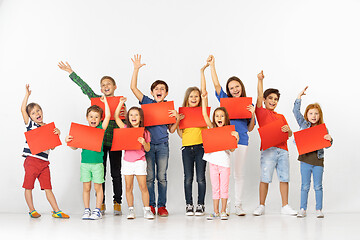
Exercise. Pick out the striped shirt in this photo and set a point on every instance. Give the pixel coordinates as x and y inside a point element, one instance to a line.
<point>26,152</point>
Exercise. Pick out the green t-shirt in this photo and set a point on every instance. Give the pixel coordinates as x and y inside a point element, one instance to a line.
<point>88,156</point>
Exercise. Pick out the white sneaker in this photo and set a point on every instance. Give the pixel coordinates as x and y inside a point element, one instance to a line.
<point>287,210</point>
<point>260,210</point>
<point>228,206</point>
<point>131,214</point>
<point>319,214</point>
<point>148,214</point>
<point>96,214</point>
<point>301,213</point>
<point>87,214</point>
<point>239,211</point>
<point>224,216</point>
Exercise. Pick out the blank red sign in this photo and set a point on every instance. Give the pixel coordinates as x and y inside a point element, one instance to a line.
<point>237,107</point>
<point>113,103</point>
<point>193,117</point>
<point>127,139</point>
<point>311,139</point>
<point>218,139</point>
<point>86,137</point>
<point>271,134</point>
<point>158,113</point>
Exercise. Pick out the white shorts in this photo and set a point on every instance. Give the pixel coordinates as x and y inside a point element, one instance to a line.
<point>133,168</point>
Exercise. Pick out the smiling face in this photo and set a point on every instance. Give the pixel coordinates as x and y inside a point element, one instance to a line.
<point>134,117</point>
<point>219,118</point>
<point>235,88</point>
<point>36,114</point>
<point>194,99</point>
<point>271,101</point>
<point>159,92</point>
<point>93,118</point>
<point>313,116</point>
<point>107,87</point>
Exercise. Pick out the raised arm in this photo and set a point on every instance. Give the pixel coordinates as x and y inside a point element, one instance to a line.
<point>24,103</point>
<point>296,110</point>
<point>118,121</point>
<point>214,77</point>
<point>106,120</point>
<point>204,110</point>
<point>260,89</point>
<point>65,67</point>
<point>133,86</point>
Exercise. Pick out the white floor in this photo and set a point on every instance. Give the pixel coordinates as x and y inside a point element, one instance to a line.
<point>178,226</point>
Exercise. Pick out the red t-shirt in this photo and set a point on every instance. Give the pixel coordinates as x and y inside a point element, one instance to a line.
<point>265,116</point>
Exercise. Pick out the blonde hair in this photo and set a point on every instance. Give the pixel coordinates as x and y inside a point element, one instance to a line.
<point>316,106</point>
<point>187,95</point>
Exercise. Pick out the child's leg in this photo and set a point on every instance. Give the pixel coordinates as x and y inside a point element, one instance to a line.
<point>305,170</point>
<point>51,198</point>
<point>282,169</point>
<point>86,194</point>
<point>318,176</point>
<point>224,186</point>
<point>162,159</point>
<point>239,156</point>
<point>215,185</point>
<point>268,163</point>
<point>99,194</point>
<point>188,164</point>
<point>129,182</point>
<point>29,199</point>
<point>216,205</point>
<point>263,190</point>
<point>284,192</point>
<point>200,166</point>
<point>141,179</point>
<point>150,177</point>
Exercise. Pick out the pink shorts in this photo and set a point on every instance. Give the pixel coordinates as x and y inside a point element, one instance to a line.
<point>220,177</point>
<point>36,168</point>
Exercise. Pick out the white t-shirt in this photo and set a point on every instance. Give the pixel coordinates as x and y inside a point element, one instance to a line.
<point>221,158</point>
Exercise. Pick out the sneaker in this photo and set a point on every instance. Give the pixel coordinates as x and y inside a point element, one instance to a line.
<point>153,210</point>
<point>189,210</point>
<point>131,214</point>
<point>59,214</point>
<point>87,214</point>
<point>319,214</point>
<point>96,214</point>
<point>148,213</point>
<point>34,214</point>
<point>117,208</point>
<point>301,213</point>
<point>260,210</point>
<point>200,210</point>
<point>103,208</point>
<point>287,210</point>
<point>224,216</point>
<point>239,211</point>
<point>212,216</point>
<point>227,210</point>
<point>162,212</point>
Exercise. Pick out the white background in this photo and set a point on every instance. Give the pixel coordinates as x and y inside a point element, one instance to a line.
<point>296,43</point>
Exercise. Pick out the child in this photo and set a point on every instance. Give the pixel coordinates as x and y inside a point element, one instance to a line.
<point>108,86</point>
<point>37,166</point>
<point>193,152</point>
<point>274,157</point>
<point>159,145</point>
<point>235,88</point>
<point>134,160</point>
<point>312,162</point>
<point>91,168</point>
<point>219,162</point>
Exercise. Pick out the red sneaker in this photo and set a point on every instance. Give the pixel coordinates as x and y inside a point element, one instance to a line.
<point>162,212</point>
<point>153,210</point>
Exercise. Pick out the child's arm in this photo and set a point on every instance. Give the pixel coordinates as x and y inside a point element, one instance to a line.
<point>24,103</point>
<point>214,77</point>
<point>204,110</point>
<point>69,139</point>
<point>251,124</point>
<point>105,123</point>
<point>57,132</point>
<point>296,110</point>
<point>133,86</point>
<point>118,121</point>
<point>178,130</point>
<point>260,89</point>
<point>173,127</point>
<point>236,135</point>
<point>144,143</point>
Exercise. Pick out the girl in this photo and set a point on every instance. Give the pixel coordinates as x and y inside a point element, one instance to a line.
<point>236,88</point>
<point>219,162</point>
<point>193,152</point>
<point>312,162</point>
<point>134,160</point>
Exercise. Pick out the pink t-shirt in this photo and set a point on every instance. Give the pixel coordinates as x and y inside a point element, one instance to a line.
<point>137,155</point>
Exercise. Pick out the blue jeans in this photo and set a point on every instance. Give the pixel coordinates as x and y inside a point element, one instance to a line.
<point>193,155</point>
<point>159,156</point>
<point>317,171</point>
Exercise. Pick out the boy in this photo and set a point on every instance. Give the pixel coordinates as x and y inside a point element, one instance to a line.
<point>274,157</point>
<point>159,145</point>
<point>92,168</point>
<point>108,87</point>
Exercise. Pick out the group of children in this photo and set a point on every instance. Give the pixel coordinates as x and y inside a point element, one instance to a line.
<point>151,161</point>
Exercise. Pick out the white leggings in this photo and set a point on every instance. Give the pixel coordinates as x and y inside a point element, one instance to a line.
<point>239,156</point>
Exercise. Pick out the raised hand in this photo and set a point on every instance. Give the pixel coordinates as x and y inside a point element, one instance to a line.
<point>211,60</point>
<point>28,91</point>
<point>204,94</point>
<point>205,66</point>
<point>66,67</point>
<point>122,100</point>
<point>137,61</point>
<point>261,76</point>
<point>302,93</point>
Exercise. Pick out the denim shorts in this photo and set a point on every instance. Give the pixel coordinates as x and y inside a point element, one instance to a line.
<point>274,158</point>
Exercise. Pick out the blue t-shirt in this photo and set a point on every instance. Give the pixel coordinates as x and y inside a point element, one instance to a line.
<point>241,125</point>
<point>159,133</point>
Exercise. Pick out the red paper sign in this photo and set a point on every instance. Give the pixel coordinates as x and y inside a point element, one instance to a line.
<point>113,103</point>
<point>42,138</point>
<point>218,139</point>
<point>127,139</point>
<point>271,134</point>
<point>193,117</point>
<point>311,139</point>
<point>158,113</point>
<point>237,107</point>
<point>86,137</point>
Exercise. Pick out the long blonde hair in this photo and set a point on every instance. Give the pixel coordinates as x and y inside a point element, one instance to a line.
<point>316,106</point>
<point>187,95</point>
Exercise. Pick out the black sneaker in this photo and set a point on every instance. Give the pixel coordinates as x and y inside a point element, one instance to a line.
<point>200,210</point>
<point>189,210</point>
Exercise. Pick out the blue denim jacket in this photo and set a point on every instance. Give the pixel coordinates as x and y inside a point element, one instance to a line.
<point>305,124</point>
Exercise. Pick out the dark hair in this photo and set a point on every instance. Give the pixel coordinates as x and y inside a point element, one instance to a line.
<point>108,77</point>
<point>227,119</point>
<point>30,107</point>
<point>141,112</point>
<point>270,91</point>
<point>187,95</point>
<point>157,82</point>
<point>94,108</point>
<point>233,78</point>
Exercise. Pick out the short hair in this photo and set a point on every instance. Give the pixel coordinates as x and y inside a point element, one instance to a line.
<point>94,108</point>
<point>270,91</point>
<point>141,113</point>
<point>227,119</point>
<point>233,78</point>
<point>316,106</point>
<point>30,107</point>
<point>157,82</point>
<point>108,77</point>
<point>187,95</point>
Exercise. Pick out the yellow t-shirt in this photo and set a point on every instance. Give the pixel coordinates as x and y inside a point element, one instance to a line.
<point>192,136</point>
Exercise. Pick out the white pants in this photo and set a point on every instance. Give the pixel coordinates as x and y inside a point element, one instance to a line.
<point>238,157</point>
